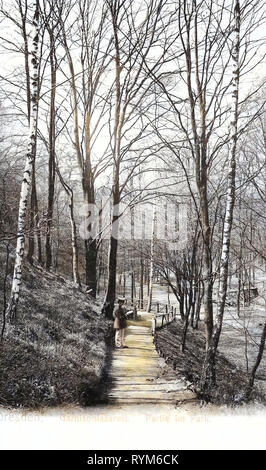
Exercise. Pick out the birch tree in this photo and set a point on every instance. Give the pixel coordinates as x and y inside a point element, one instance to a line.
<point>34,212</point>
<point>208,376</point>
<point>200,79</point>
<point>199,106</point>
<point>26,181</point>
<point>19,18</point>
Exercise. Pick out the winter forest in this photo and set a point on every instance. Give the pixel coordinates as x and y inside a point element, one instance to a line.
<point>132,164</point>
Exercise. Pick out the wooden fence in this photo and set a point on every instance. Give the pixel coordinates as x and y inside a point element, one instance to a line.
<point>164,315</point>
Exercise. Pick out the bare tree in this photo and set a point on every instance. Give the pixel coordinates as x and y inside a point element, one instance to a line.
<point>51,26</point>
<point>75,261</point>
<point>89,107</point>
<point>134,40</point>
<point>208,376</point>
<point>25,185</point>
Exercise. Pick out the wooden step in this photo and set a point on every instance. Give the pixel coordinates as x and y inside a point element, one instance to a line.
<point>162,387</point>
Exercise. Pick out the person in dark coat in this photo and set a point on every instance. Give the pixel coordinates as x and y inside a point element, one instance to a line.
<point>120,323</point>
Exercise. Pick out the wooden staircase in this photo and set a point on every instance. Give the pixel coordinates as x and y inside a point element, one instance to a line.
<point>139,375</point>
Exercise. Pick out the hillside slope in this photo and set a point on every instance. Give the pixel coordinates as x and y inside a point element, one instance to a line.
<point>57,350</point>
<point>231,379</point>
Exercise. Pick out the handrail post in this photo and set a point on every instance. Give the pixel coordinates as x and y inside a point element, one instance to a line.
<point>166,314</point>
<point>153,325</point>
<point>135,315</point>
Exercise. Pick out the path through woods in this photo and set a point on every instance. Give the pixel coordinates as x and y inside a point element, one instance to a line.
<point>139,375</point>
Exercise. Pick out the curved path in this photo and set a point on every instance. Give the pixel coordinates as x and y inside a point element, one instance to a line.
<point>139,375</point>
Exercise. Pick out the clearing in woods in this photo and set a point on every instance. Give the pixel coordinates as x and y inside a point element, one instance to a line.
<point>139,375</point>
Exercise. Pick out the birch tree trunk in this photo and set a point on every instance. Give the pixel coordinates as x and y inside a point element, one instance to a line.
<point>152,261</point>
<point>208,377</point>
<point>34,213</point>
<point>26,181</point>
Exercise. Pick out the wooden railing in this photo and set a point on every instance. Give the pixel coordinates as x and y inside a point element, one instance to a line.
<point>164,315</point>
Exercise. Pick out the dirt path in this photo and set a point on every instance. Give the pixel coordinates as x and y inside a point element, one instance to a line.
<point>139,375</point>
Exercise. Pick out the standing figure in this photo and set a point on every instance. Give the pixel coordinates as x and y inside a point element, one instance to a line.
<point>120,323</point>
